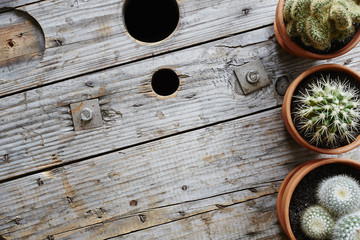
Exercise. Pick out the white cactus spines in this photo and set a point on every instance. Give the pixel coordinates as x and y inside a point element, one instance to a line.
<point>339,194</point>
<point>317,223</point>
<point>328,111</point>
<point>347,227</point>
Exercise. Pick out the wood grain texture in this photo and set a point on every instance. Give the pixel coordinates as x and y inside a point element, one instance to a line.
<point>218,160</point>
<point>37,129</point>
<point>85,36</point>
<point>210,218</point>
<point>239,162</point>
<point>204,163</point>
<point>22,44</point>
<point>16,3</point>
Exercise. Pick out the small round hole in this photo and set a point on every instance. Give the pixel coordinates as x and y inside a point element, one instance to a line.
<point>10,43</point>
<point>165,82</point>
<point>151,21</point>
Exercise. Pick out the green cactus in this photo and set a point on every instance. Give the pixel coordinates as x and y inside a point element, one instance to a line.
<point>319,22</point>
<point>317,223</point>
<point>339,194</point>
<point>347,227</point>
<point>328,112</point>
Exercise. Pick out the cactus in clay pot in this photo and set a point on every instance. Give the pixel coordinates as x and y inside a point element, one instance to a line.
<point>319,22</point>
<point>328,112</point>
<point>317,223</point>
<point>347,227</point>
<point>339,194</point>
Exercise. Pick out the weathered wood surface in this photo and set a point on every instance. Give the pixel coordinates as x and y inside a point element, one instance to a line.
<point>204,164</point>
<point>238,163</point>
<point>22,45</point>
<point>16,3</point>
<point>85,36</point>
<point>209,223</point>
<point>38,129</point>
<point>203,177</point>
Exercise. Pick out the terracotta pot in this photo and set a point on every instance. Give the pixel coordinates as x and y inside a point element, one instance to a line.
<point>294,49</point>
<point>291,181</point>
<point>286,108</point>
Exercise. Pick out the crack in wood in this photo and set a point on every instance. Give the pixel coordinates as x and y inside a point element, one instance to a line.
<point>143,217</point>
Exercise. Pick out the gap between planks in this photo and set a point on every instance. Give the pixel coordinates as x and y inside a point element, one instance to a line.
<point>134,145</point>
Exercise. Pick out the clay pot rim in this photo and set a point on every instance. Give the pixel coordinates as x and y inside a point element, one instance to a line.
<point>291,47</point>
<point>286,108</point>
<point>282,190</point>
<point>288,188</point>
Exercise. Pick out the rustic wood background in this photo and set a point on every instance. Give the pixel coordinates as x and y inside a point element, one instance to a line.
<point>204,164</point>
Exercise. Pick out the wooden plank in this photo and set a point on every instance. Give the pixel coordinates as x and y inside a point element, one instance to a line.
<point>211,218</point>
<point>17,3</point>
<point>251,220</point>
<point>229,157</point>
<point>37,128</point>
<point>85,36</point>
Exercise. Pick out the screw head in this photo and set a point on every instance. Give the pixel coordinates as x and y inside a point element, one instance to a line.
<point>86,115</point>
<point>282,83</point>
<point>253,76</point>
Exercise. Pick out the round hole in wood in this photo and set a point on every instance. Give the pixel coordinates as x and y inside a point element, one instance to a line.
<point>11,43</point>
<point>22,43</point>
<point>165,82</point>
<point>151,20</point>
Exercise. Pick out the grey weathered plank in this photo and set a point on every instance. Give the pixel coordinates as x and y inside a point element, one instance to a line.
<point>84,36</point>
<point>37,129</point>
<point>16,3</point>
<point>211,218</point>
<point>251,220</point>
<point>234,156</point>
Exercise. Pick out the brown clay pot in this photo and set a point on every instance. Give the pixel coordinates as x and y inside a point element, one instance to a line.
<point>286,108</point>
<point>294,49</point>
<point>291,181</point>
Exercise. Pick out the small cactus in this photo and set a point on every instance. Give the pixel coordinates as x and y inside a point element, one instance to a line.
<point>347,227</point>
<point>319,22</point>
<point>317,223</point>
<point>328,112</point>
<point>339,194</point>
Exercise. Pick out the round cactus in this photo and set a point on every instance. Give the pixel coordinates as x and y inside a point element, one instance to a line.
<point>328,112</point>
<point>347,227</point>
<point>339,194</point>
<point>319,22</point>
<point>317,223</point>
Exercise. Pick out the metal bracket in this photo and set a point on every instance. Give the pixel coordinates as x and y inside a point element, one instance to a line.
<point>86,115</point>
<point>252,76</point>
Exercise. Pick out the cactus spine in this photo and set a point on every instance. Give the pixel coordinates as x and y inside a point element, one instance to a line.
<point>347,227</point>
<point>339,194</point>
<point>317,223</point>
<point>328,112</point>
<point>319,22</point>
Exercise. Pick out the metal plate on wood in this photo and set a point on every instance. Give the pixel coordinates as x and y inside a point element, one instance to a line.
<point>86,115</point>
<point>252,76</point>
